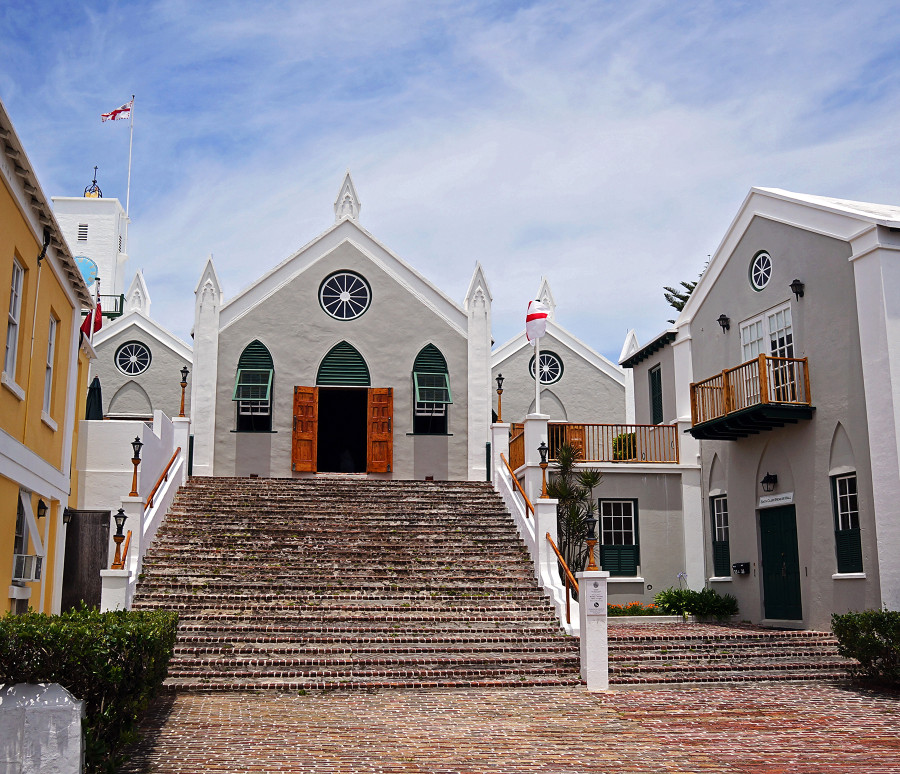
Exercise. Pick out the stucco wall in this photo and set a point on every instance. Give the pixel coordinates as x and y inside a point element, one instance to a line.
<point>298,334</point>
<point>585,393</point>
<point>664,358</point>
<point>825,331</point>
<point>161,382</point>
<point>660,530</point>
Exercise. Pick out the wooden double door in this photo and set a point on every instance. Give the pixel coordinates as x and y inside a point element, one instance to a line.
<point>343,430</point>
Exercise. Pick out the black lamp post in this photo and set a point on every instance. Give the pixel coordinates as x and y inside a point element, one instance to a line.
<point>769,481</point>
<point>543,449</point>
<point>120,517</point>
<point>590,524</point>
<point>724,321</point>
<point>499,397</point>
<point>184,376</point>
<point>135,460</point>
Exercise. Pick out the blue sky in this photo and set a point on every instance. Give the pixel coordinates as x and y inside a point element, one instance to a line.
<point>606,145</point>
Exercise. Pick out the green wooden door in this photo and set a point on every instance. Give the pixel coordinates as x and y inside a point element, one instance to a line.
<point>780,563</point>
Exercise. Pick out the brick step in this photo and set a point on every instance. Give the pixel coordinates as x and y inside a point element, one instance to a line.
<point>352,596</point>
<point>363,606</point>
<point>365,684</point>
<point>537,636</point>
<point>370,649</point>
<point>756,673</point>
<point>509,622</point>
<point>409,671</point>
<point>631,661</point>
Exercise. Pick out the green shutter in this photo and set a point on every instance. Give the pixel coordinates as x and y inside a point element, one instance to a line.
<point>619,560</point>
<point>721,558</point>
<point>656,401</point>
<point>255,355</point>
<point>430,378</point>
<point>849,550</point>
<point>343,366</point>
<point>254,375</point>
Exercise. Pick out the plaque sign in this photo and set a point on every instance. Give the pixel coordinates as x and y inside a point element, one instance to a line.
<point>595,596</point>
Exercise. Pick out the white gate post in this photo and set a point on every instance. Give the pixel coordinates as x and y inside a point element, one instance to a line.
<point>594,645</point>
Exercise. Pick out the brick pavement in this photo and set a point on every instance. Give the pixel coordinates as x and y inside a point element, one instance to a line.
<point>759,728</point>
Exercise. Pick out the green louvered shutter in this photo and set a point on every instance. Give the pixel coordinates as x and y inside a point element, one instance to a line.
<point>721,558</point>
<point>849,550</point>
<point>256,356</point>
<point>343,366</point>
<point>619,560</point>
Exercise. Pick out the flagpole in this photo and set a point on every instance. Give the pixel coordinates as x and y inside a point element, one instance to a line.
<point>130,144</point>
<point>93,314</point>
<point>537,375</point>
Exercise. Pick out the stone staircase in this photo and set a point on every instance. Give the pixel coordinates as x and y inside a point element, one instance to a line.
<point>704,653</point>
<point>340,582</point>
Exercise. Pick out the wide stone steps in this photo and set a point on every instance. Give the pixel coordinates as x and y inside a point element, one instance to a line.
<point>343,583</point>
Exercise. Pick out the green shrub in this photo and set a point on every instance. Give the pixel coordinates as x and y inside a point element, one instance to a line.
<point>624,446</point>
<point>114,661</point>
<point>872,638</point>
<point>706,603</point>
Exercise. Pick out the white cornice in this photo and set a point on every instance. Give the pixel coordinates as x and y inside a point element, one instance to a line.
<point>149,326</point>
<point>347,230</point>
<point>511,347</point>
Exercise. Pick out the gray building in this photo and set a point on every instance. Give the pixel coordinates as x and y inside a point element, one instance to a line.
<point>781,365</point>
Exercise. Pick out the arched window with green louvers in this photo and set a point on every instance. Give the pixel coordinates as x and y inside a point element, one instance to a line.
<point>343,366</point>
<point>253,389</point>
<point>431,387</point>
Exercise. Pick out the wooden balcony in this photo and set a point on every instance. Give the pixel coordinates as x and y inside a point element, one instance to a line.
<point>617,443</point>
<point>756,396</point>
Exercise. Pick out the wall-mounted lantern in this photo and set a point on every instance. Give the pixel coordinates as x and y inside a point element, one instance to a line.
<point>724,321</point>
<point>769,481</point>
<point>41,509</point>
<point>797,288</point>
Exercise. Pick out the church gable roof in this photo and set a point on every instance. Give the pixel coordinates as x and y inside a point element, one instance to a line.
<point>347,230</point>
<point>137,319</point>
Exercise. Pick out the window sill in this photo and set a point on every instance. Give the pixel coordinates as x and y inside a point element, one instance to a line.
<point>625,579</point>
<point>720,579</point>
<point>440,434</point>
<point>48,420</point>
<point>11,385</point>
<point>254,432</point>
<point>849,576</point>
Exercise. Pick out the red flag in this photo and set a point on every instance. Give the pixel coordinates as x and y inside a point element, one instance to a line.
<point>119,113</point>
<point>97,317</point>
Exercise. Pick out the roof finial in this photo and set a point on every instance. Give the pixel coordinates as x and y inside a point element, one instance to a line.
<point>347,203</point>
<point>93,190</point>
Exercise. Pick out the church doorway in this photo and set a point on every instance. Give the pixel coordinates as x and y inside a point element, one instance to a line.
<point>342,430</point>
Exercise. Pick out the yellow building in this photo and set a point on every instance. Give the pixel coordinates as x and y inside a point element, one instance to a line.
<point>44,373</point>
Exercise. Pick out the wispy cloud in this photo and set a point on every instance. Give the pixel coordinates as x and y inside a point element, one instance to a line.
<point>606,145</point>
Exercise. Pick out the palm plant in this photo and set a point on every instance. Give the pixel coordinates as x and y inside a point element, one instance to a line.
<point>573,488</point>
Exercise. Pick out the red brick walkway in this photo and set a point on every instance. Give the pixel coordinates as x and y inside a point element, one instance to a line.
<point>764,728</point>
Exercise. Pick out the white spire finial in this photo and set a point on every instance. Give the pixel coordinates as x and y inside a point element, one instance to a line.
<point>347,203</point>
<point>545,295</point>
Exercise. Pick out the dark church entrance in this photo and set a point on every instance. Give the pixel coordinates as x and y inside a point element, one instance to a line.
<point>342,430</point>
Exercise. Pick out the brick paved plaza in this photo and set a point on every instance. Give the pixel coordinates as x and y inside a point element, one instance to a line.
<point>789,728</point>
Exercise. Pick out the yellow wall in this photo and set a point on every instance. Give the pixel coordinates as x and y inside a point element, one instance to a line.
<point>43,295</point>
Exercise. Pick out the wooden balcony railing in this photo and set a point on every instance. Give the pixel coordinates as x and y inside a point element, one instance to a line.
<point>763,380</point>
<point>616,443</point>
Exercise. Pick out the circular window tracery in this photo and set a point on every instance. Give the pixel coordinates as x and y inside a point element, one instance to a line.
<point>345,295</point>
<point>760,270</point>
<point>551,367</point>
<point>133,358</point>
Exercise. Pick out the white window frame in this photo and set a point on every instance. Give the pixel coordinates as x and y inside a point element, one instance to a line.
<point>14,314</point>
<point>720,519</point>
<point>48,369</point>
<point>623,531</point>
<point>762,332</point>
<point>843,500</point>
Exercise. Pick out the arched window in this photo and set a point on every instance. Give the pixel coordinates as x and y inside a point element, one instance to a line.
<point>343,366</point>
<point>431,385</point>
<point>253,389</point>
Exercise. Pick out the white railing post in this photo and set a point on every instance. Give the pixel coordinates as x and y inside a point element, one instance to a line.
<point>592,614</point>
<point>535,434</point>
<point>499,445</point>
<point>182,433</point>
<point>546,565</point>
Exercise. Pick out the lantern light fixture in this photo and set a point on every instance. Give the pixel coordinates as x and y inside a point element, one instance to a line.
<point>769,481</point>
<point>41,509</point>
<point>724,321</point>
<point>797,288</point>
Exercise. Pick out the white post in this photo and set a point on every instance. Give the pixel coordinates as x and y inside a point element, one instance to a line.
<point>499,445</point>
<point>182,438</point>
<point>594,644</point>
<point>130,144</point>
<point>537,375</point>
<point>114,590</point>
<point>535,434</point>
